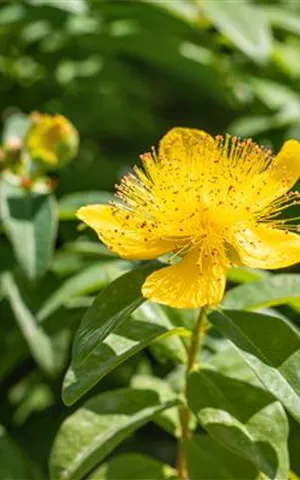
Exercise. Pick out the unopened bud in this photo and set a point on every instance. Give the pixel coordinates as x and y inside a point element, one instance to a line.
<point>51,140</point>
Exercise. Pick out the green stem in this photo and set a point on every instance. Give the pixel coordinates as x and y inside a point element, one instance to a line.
<point>185,412</point>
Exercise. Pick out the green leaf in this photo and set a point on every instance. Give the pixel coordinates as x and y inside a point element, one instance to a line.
<point>65,264</point>
<point>13,464</point>
<point>283,18</point>
<point>75,256</point>
<point>93,431</point>
<point>244,418</point>
<point>133,466</point>
<point>169,419</point>
<point>87,281</point>
<point>38,342</point>
<point>13,353</point>
<point>273,290</point>
<point>185,10</point>
<point>110,308</point>
<point>228,361</point>
<point>294,447</point>
<point>7,258</point>
<point>128,339</point>
<point>245,275</point>
<point>72,6</point>
<point>70,203</point>
<point>251,125</point>
<point>30,220</point>
<point>90,249</point>
<point>208,460</point>
<point>274,95</point>
<point>167,347</point>
<point>183,60</point>
<point>243,23</point>
<point>271,347</point>
<point>286,58</point>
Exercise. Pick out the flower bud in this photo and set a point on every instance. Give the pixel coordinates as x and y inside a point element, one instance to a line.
<point>52,141</point>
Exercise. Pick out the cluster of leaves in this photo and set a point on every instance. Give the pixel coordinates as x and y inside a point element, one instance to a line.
<point>124,72</point>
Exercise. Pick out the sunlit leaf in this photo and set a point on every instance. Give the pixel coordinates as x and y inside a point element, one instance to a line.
<point>98,427</point>
<point>110,308</point>
<point>271,347</point>
<point>168,347</point>
<point>244,418</point>
<point>128,339</point>
<point>243,23</point>
<point>87,281</point>
<point>72,6</point>
<point>129,466</point>
<point>245,275</point>
<point>30,220</point>
<point>208,460</point>
<point>168,419</point>
<point>251,125</point>
<point>38,342</point>
<point>282,18</point>
<point>274,95</point>
<point>270,291</point>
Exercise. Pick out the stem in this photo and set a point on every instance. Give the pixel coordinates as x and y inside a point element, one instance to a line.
<point>185,411</point>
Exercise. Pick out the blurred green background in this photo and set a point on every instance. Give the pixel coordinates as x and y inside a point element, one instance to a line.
<point>124,73</point>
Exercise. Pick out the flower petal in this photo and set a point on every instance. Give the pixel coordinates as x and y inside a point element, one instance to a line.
<point>282,173</point>
<point>187,284</point>
<point>124,233</point>
<point>268,248</point>
<point>184,145</point>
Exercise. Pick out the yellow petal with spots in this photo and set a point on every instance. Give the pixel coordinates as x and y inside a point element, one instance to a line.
<point>283,172</point>
<point>125,234</point>
<point>187,284</point>
<point>268,248</point>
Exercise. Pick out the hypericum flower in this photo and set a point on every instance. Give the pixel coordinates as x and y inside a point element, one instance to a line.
<point>211,203</point>
<point>51,140</point>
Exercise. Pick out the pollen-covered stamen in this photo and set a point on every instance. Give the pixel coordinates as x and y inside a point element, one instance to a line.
<point>272,214</point>
<point>194,197</point>
<point>242,157</point>
<point>241,174</point>
<point>135,194</point>
<point>210,244</point>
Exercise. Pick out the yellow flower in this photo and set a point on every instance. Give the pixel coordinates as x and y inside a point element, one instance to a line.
<point>51,140</point>
<point>211,203</point>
